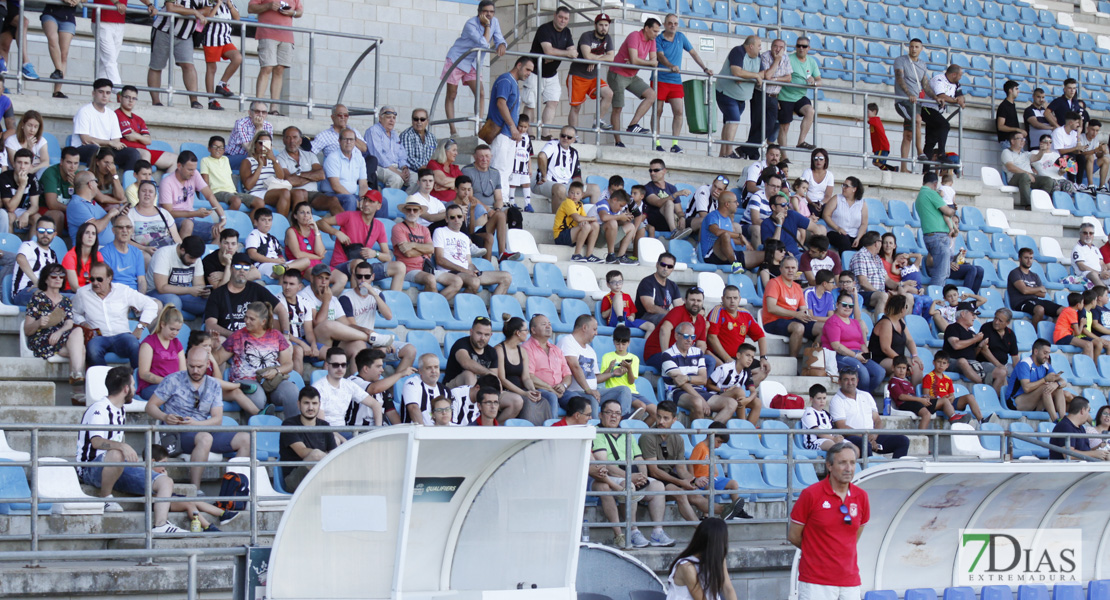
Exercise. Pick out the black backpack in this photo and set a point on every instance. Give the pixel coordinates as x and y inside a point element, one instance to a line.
<point>233,484</point>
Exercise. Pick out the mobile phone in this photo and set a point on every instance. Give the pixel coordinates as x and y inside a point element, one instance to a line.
<point>266,144</point>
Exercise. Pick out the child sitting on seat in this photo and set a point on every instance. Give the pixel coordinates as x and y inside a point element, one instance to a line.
<point>703,480</point>
<point>630,363</point>
<point>617,307</point>
<point>940,390</point>
<point>816,417</point>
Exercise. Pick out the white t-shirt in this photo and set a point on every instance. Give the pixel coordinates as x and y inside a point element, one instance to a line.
<point>947,193</point>
<point>102,125</point>
<point>1047,165</point>
<point>342,405</point>
<point>415,391</point>
<point>857,413</point>
<point>364,308</point>
<point>13,144</point>
<point>335,307</point>
<point>816,193</point>
<point>167,262</point>
<point>456,247</point>
<point>434,206</point>
<point>1062,139</point>
<point>1085,254</point>
<point>941,85</point>
<point>37,258</point>
<point>463,411</point>
<point>587,360</point>
<point>265,244</point>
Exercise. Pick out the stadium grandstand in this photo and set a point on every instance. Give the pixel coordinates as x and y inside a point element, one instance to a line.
<point>887,219</point>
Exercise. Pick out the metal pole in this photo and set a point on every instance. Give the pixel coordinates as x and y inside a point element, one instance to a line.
<point>630,506</point>
<point>311,64</point>
<point>243,70</point>
<point>34,493</point>
<point>597,106</point>
<point>866,130</point>
<point>254,489</point>
<point>378,70</point>
<point>192,589</point>
<point>19,53</point>
<point>170,63</point>
<point>148,494</point>
<point>96,38</point>
<point>478,86</point>
<point>711,441</point>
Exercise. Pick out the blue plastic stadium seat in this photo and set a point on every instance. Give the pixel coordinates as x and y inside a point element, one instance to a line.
<point>549,276</point>
<point>746,13</point>
<point>875,13</point>
<point>543,306</point>
<point>431,306</point>
<point>791,19</point>
<point>834,8</point>
<point>881,595</point>
<point>959,593</point>
<point>13,484</point>
<point>996,592</point>
<point>403,313</point>
<point>1100,589</point>
<point>954,24</point>
<point>500,305</point>
<point>813,22</point>
<point>425,342</point>
<point>522,281</point>
<point>767,16</point>
<point>1032,592</point>
<point>1023,448</point>
<point>921,594</point>
<point>922,332</point>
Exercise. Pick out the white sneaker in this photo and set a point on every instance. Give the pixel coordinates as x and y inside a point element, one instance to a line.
<point>166,527</point>
<point>638,540</point>
<point>111,505</point>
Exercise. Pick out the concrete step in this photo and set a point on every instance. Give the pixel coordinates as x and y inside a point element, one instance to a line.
<point>27,393</point>
<point>71,579</point>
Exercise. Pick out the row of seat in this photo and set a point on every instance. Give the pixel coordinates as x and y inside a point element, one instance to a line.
<point>1096,590</point>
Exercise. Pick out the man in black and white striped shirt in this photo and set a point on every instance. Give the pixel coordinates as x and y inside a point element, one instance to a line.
<point>557,166</point>
<point>176,35</point>
<point>419,392</point>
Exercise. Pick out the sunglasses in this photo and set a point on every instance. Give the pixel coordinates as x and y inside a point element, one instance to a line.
<point>654,170</point>
<point>566,137</point>
<point>98,279</point>
<point>800,46</point>
<point>482,320</point>
<point>847,517</point>
<point>722,179</point>
<point>419,119</point>
<point>342,365</point>
<point>57,276</point>
<point>241,267</point>
<point>455,218</point>
<point>389,113</point>
<point>45,230</point>
<point>667,265</point>
<point>360,277</point>
<point>847,305</point>
<point>688,336</point>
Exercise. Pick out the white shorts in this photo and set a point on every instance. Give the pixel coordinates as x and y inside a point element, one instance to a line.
<point>550,90</point>
<point>519,179</point>
<point>813,591</point>
<point>545,189</point>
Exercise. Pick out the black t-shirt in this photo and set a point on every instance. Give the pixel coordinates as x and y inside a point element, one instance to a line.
<point>1008,112</point>
<point>212,264</point>
<point>663,295</point>
<point>1002,345</point>
<point>314,441</point>
<point>487,358</point>
<point>962,333</point>
<point>1030,279</point>
<point>8,187</point>
<point>559,40</point>
<point>230,309</point>
<point>1060,108</point>
<point>1066,426</point>
<point>667,191</point>
<point>598,48</point>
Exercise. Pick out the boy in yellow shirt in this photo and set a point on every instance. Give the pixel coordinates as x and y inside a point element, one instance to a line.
<point>622,337</point>
<point>215,169</point>
<point>574,228</point>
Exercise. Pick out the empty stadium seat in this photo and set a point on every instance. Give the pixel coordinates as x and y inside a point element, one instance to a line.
<point>1023,448</point>
<point>403,312</point>
<point>426,343</point>
<point>431,306</point>
<point>543,306</point>
<point>549,276</point>
<point>13,484</point>
<point>921,594</point>
<point>268,441</point>
<point>1098,590</point>
<point>1032,592</point>
<point>521,240</point>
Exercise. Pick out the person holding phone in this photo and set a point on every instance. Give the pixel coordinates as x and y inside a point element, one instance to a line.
<point>844,335</point>
<point>260,171</point>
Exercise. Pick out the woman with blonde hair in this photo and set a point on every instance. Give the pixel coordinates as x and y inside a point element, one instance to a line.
<point>161,353</point>
<point>443,167</point>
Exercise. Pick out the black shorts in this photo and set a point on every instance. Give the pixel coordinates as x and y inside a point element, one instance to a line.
<point>787,110</point>
<point>915,407</point>
<point>658,221</point>
<point>11,22</point>
<point>1051,309</point>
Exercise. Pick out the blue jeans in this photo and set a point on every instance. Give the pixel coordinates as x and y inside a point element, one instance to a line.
<point>940,249</point>
<point>553,399</point>
<point>349,201</point>
<point>871,373</point>
<point>124,344</point>
<point>193,305</point>
<point>22,297</point>
<point>201,227</point>
<point>972,276</point>
<point>131,481</point>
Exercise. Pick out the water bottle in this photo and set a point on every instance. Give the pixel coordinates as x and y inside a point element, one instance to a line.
<point>586,530</point>
<point>886,402</point>
<point>195,526</point>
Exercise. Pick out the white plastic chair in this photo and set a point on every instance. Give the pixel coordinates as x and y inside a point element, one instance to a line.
<point>7,452</point>
<point>95,390</point>
<point>997,218</point>
<point>1051,247</point>
<point>968,445</point>
<point>25,352</point>
<point>1042,202</point>
<point>1100,232</point>
<point>581,278</point>
<point>522,241</point>
<point>713,286</point>
<point>767,392</point>
<point>992,178</point>
<point>648,250</point>
<point>62,482</point>
<point>261,483</point>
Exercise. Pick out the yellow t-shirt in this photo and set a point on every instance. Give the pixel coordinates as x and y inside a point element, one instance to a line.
<point>562,216</point>
<point>219,174</point>
<point>628,379</point>
<point>132,193</point>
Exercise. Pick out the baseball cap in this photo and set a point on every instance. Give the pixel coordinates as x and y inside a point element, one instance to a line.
<point>321,269</point>
<point>603,17</point>
<point>374,195</point>
<point>241,259</point>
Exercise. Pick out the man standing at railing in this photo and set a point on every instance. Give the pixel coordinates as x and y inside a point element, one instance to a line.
<point>944,86</point>
<point>742,62</point>
<point>275,46</point>
<point>552,39</point>
<point>793,100</point>
<point>670,91</point>
<point>638,50</point>
<point>109,37</point>
<point>175,36</point>
<point>504,108</point>
<point>776,67</point>
<point>478,32</point>
<point>101,444</point>
<point>910,77</point>
<point>586,80</point>
<point>825,525</point>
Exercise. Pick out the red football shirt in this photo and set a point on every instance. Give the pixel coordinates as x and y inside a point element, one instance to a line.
<point>132,124</point>
<point>898,388</point>
<point>732,331</point>
<point>828,542</point>
<point>675,317</point>
<point>935,386</point>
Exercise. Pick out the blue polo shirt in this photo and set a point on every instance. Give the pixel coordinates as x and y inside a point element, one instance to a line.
<point>672,51</point>
<point>80,210</point>
<point>790,226</point>
<point>707,239</point>
<point>1024,369</point>
<point>126,268</point>
<point>504,86</point>
<point>348,170</point>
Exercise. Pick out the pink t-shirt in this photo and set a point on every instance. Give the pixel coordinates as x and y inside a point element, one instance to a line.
<point>273,17</point>
<point>177,195</point>
<point>351,223</point>
<point>836,330</point>
<point>164,360</point>
<point>411,233</point>
<point>643,48</point>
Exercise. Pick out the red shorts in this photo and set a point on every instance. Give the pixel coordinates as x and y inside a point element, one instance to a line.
<point>213,54</point>
<point>670,91</point>
<point>580,87</point>
<point>155,155</point>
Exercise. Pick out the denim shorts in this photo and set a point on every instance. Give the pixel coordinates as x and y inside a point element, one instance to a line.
<point>131,481</point>
<point>731,108</point>
<point>64,26</point>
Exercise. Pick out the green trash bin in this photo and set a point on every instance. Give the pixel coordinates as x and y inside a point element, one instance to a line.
<point>701,111</point>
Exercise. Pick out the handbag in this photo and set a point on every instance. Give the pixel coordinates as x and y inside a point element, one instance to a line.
<point>787,402</point>
<point>489,131</point>
<point>274,183</point>
<point>271,384</point>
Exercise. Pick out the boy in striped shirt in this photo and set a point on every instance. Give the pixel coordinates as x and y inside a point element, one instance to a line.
<point>218,46</point>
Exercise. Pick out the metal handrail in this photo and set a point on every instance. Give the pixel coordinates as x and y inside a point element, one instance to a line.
<point>709,139</point>
<point>243,98</point>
